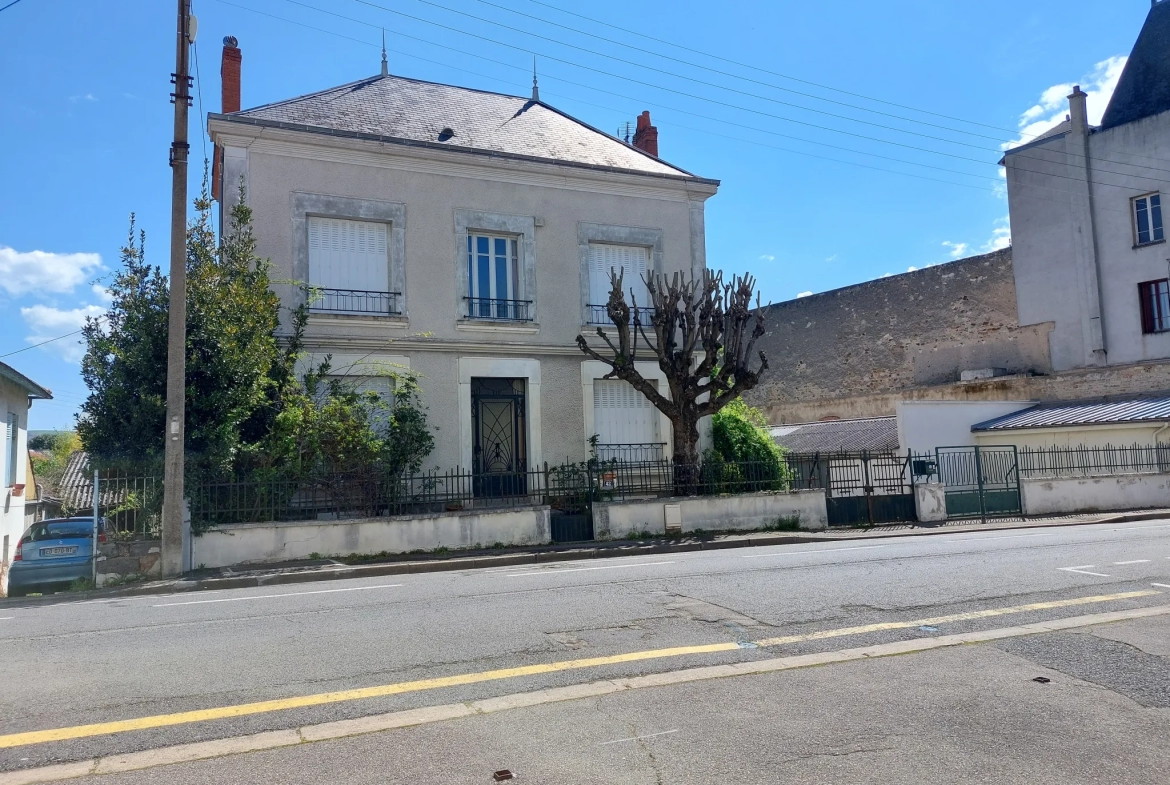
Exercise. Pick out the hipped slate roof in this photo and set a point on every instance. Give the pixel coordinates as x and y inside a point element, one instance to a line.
<point>872,434</point>
<point>394,108</point>
<point>1056,415</point>
<point>1143,89</point>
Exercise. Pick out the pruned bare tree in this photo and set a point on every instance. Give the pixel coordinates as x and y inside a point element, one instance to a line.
<point>699,334</point>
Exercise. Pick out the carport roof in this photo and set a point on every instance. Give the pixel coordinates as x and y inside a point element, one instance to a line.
<point>870,434</point>
<point>1073,413</point>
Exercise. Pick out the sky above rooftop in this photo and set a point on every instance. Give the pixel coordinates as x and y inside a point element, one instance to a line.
<point>822,187</point>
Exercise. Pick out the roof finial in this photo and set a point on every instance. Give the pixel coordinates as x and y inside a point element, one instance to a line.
<point>385,65</point>
<point>535,89</point>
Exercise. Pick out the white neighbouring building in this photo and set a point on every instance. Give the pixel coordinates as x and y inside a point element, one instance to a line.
<point>1089,242</point>
<point>465,236</point>
<point>17,392</point>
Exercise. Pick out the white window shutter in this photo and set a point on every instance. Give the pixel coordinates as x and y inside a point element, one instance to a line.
<point>622,415</point>
<point>348,255</point>
<point>634,260</point>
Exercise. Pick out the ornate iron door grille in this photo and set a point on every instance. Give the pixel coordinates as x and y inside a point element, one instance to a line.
<point>499,451</point>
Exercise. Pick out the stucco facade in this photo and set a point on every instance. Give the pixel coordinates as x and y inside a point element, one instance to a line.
<point>431,199</point>
<point>16,393</point>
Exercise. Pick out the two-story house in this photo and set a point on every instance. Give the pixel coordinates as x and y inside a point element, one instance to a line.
<point>465,236</point>
<point>1090,254</point>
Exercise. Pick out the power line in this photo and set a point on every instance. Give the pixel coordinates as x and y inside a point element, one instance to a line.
<point>725,73</point>
<point>765,70</point>
<point>199,93</point>
<point>694,114</point>
<point>42,343</point>
<point>5,8</point>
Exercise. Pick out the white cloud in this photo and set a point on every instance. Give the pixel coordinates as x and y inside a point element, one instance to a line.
<point>955,249</point>
<point>832,258</point>
<point>44,272</point>
<point>46,323</point>
<point>911,269</point>
<point>767,257</point>
<point>102,293</point>
<point>1001,235</point>
<point>1052,107</point>
<point>804,294</point>
<point>87,97</point>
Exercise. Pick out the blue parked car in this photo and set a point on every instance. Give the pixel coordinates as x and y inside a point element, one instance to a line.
<point>52,554</point>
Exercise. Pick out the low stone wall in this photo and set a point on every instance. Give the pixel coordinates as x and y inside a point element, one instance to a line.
<point>245,543</point>
<point>128,560</point>
<point>1065,495</point>
<point>744,512</point>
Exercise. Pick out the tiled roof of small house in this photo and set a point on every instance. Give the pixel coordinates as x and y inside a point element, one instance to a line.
<point>870,434</point>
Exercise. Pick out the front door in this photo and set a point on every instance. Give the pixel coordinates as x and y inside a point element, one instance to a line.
<point>499,452</point>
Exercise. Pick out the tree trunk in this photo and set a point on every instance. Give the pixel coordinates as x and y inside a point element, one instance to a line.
<point>686,453</point>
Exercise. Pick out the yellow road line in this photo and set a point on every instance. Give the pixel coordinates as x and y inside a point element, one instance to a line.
<point>262,707</point>
<point>969,616</point>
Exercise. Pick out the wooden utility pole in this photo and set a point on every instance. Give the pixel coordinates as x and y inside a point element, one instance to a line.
<point>172,518</point>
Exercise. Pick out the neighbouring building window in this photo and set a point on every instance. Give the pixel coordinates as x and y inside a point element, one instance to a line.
<point>349,267</point>
<point>10,451</point>
<point>493,278</point>
<point>634,260</point>
<point>626,423</point>
<point>1147,218</point>
<point>1155,299</point>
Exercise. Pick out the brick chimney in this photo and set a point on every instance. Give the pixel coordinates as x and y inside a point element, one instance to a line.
<point>646,135</point>
<point>229,77</point>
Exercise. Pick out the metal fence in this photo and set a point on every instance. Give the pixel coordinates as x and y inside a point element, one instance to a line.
<point>375,493</point>
<point>1085,461</point>
<point>130,503</point>
<point>357,301</point>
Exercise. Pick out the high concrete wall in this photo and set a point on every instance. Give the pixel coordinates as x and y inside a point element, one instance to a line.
<point>1095,494</point>
<point>244,543</point>
<point>743,512</point>
<point>924,425</point>
<point>879,338</point>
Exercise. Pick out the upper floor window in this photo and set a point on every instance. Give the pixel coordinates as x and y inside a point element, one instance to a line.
<point>1147,219</point>
<point>634,260</point>
<point>493,278</point>
<point>1155,300</point>
<point>349,267</point>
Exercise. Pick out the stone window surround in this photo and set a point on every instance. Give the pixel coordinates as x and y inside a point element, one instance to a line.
<point>506,368</point>
<point>305,205</point>
<point>588,233</point>
<point>523,228</point>
<point>592,370</point>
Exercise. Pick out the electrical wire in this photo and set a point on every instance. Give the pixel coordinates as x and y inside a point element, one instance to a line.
<point>5,8</point>
<point>764,70</point>
<point>199,92</point>
<point>996,189</point>
<point>42,343</point>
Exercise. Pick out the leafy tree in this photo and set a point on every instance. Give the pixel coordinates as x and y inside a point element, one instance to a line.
<point>55,449</point>
<point>701,340</point>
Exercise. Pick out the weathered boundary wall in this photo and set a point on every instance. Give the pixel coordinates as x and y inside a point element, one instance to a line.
<point>121,560</point>
<point>1063,495</point>
<point>743,512</point>
<point>244,543</point>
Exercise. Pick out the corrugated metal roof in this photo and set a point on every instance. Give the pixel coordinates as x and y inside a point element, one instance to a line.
<point>872,434</point>
<point>397,108</point>
<point>1056,415</point>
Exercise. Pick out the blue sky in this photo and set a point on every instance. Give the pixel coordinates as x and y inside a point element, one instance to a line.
<point>85,121</point>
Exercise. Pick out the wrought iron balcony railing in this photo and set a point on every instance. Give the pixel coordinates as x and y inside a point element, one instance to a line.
<point>632,453</point>
<point>505,310</point>
<point>357,301</point>
<point>598,314</point>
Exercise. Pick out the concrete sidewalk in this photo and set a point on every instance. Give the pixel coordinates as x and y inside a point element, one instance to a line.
<point>330,569</point>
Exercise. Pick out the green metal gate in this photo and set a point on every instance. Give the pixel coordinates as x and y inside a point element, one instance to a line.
<point>981,482</point>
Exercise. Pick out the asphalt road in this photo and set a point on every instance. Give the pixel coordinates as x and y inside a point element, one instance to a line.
<point>77,663</point>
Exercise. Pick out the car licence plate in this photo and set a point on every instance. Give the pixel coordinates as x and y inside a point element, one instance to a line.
<point>62,551</point>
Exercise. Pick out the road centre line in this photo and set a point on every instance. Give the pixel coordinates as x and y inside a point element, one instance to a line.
<point>798,553</point>
<point>1083,571</point>
<point>585,569</point>
<point>400,688</point>
<point>275,596</point>
<point>639,738</point>
<point>1161,585</point>
<point>1133,561</point>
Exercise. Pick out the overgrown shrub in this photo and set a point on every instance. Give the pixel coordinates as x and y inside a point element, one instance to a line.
<point>743,456</point>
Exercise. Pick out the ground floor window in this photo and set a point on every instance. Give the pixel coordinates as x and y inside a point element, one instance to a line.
<point>625,422</point>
